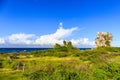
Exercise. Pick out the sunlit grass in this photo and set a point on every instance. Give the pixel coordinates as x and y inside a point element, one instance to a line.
<point>97,64</point>
<point>115,59</point>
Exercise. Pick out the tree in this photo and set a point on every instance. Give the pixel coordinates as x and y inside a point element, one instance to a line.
<point>65,43</point>
<point>57,45</point>
<point>69,45</point>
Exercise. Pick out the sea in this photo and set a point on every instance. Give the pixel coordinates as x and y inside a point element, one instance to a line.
<point>17,50</point>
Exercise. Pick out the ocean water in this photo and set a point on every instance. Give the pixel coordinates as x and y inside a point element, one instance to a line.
<point>9,50</point>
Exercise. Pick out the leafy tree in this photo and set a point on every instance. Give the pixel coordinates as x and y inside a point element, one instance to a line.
<point>69,45</point>
<point>57,45</point>
<point>65,43</point>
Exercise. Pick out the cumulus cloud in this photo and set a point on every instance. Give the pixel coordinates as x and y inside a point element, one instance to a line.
<point>20,38</point>
<point>56,37</point>
<point>2,41</point>
<point>83,42</point>
<point>31,40</point>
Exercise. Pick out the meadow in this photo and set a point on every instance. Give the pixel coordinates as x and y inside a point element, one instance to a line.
<point>102,63</point>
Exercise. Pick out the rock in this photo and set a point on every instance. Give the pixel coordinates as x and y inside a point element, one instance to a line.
<point>103,39</point>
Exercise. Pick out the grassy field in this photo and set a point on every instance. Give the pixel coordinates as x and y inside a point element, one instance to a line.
<point>59,64</point>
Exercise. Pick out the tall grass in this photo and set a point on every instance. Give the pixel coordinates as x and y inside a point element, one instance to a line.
<point>60,64</point>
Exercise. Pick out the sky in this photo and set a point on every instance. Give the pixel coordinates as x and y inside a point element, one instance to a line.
<point>42,23</point>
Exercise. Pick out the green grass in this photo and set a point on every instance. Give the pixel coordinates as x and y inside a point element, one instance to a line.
<point>11,76</point>
<point>101,63</point>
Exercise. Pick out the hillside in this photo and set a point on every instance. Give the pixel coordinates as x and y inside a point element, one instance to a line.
<point>102,63</point>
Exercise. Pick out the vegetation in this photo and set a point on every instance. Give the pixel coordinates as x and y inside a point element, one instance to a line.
<point>62,63</point>
<point>66,47</point>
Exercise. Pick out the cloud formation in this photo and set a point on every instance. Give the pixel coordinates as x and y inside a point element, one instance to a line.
<point>83,42</point>
<point>56,37</point>
<point>31,40</point>
<point>2,41</point>
<point>21,38</point>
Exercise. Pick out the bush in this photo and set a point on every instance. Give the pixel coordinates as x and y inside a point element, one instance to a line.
<point>113,70</point>
<point>60,73</point>
<point>1,64</point>
<point>99,74</point>
<point>108,71</point>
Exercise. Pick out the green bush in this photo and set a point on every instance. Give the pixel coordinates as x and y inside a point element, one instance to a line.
<point>109,71</point>
<point>58,74</point>
<point>1,64</point>
<point>99,74</point>
<point>113,70</point>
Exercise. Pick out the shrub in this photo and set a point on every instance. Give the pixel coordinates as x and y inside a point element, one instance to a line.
<point>108,71</point>
<point>58,74</point>
<point>1,64</point>
<point>99,74</point>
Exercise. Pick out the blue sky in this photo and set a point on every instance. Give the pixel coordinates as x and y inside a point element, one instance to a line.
<point>36,23</point>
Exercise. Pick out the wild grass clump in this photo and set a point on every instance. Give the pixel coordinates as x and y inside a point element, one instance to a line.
<point>62,63</point>
<point>107,49</point>
<point>11,76</point>
<point>109,71</point>
<point>58,72</point>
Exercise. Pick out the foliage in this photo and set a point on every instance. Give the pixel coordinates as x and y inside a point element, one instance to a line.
<point>56,46</point>
<point>101,63</point>
<point>67,46</point>
<point>109,71</point>
<point>58,72</point>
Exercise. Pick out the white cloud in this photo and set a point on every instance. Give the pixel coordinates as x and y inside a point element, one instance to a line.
<point>2,41</point>
<point>56,37</point>
<point>84,42</point>
<point>20,38</point>
<point>30,40</point>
